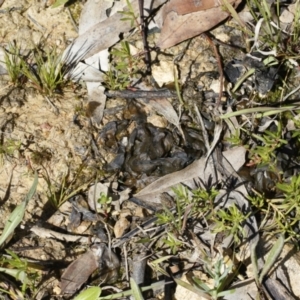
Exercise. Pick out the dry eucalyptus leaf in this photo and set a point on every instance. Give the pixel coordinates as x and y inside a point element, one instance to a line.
<point>183,7</point>
<point>92,13</point>
<point>99,32</point>
<point>235,156</point>
<point>96,102</point>
<point>177,28</point>
<point>78,272</point>
<point>163,107</point>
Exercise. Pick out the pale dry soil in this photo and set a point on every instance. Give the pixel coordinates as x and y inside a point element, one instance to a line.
<point>57,144</point>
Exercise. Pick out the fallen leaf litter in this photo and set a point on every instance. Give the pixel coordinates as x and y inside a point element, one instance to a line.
<point>69,142</point>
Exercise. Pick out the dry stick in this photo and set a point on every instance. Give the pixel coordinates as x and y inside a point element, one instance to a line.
<point>126,262</point>
<point>152,94</point>
<point>219,67</point>
<point>56,110</point>
<point>72,19</point>
<point>47,233</point>
<point>144,36</point>
<point>8,10</point>
<point>204,132</point>
<point>185,216</point>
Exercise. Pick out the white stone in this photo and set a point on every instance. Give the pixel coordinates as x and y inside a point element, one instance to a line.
<point>163,73</point>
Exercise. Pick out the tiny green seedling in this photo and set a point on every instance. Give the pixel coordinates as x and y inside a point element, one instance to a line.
<point>124,67</point>
<point>231,221</point>
<point>8,148</point>
<point>172,242</point>
<point>219,272</point>
<point>44,71</point>
<point>105,202</point>
<point>265,154</point>
<point>155,264</point>
<point>129,14</point>
<point>14,63</point>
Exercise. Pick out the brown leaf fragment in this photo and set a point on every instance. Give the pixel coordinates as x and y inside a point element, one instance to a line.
<point>121,227</point>
<point>96,102</point>
<point>78,272</point>
<point>183,7</point>
<point>177,28</point>
<point>164,108</point>
<point>235,156</point>
<point>99,258</point>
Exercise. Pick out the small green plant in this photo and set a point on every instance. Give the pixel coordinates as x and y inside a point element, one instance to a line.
<point>282,214</point>
<point>230,221</point>
<point>198,201</point>
<point>155,265</point>
<point>105,203</point>
<point>19,268</point>
<point>219,272</point>
<point>203,200</point>
<point>124,67</point>
<point>14,63</point>
<point>268,35</point>
<point>287,213</point>
<point>264,154</point>
<point>173,242</point>
<point>235,138</point>
<point>175,219</point>
<point>129,14</point>
<point>45,72</point>
<point>59,193</point>
<point>167,217</point>
<point>8,148</point>
<point>272,36</point>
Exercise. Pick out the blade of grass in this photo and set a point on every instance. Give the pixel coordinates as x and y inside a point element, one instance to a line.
<point>192,288</point>
<point>91,293</point>
<point>17,274</point>
<point>261,111</point>
<point>17,215</point>
<point>236,17</point>
<point>154,286</point>
<point>136,291</point>
<point>273,255</point>
<point>242,79</point>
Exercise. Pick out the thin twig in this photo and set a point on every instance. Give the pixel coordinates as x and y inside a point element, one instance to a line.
<point>56,110</point>
<point>126,262</point>
<point>204,132</point>
<point>72,19</point>
<point>47,233</point>
<point>8,10</point>
<point>219,68</point>
<point>144,36</point>
<point>185,217</point>
<point>37,24</point>
<point>129,94</point>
